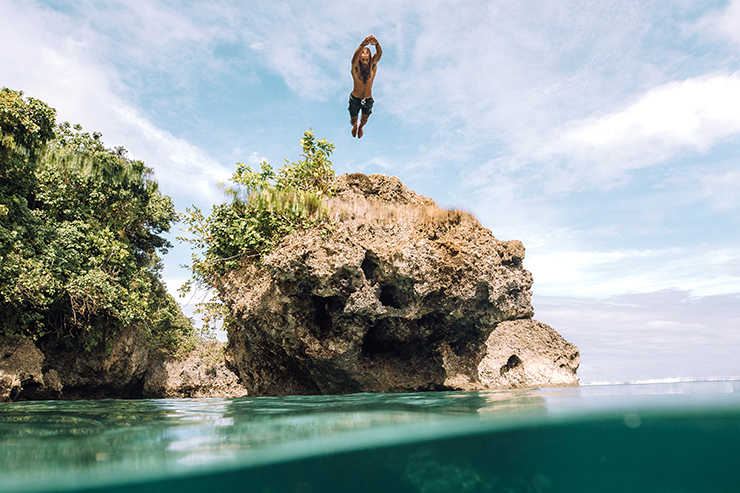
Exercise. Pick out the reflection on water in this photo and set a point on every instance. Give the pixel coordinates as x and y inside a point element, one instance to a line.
<point>51,436</point>
<point>433,441</point>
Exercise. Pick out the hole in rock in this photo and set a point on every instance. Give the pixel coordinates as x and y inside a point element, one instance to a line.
<point>391,296</point>
<point>323,308</point>
<point>370,266</point>
<point>512,363</point>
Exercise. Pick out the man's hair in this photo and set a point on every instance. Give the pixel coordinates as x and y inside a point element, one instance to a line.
<point>365,68</point>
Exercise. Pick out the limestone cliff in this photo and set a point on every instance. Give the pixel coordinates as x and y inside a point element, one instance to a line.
<point>399,296</point>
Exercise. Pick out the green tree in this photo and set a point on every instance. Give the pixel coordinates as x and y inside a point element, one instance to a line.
<point>81,235</point>
<point>26,125</point>
<point>264,207</point>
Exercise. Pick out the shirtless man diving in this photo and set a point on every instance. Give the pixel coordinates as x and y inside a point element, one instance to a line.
<point>364,68</point>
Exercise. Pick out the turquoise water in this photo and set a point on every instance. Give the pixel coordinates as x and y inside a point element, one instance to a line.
<point>652,437</point>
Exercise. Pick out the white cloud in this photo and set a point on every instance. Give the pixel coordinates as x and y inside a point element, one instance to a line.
<point>577,93</point>
<point>182,169</point>
<point>700,270</point>
<point>691,115</point>
<point>724,24</point>
<point>678,119</point>
<point>480,74</point>
<point>508,72</point>
<point>721,190</point>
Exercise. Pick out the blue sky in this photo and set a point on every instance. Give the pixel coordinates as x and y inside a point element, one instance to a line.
<point>603,135</point>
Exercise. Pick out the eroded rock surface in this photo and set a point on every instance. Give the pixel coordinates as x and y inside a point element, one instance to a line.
<point>400,296</point>
<point>202,374</point>
<point>20,367</point>
<point>76,374</point>
<point>130,370</point>
<point>527,354</point>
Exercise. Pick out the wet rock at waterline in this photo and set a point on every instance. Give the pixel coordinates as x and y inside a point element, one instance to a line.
<point>131,369</point>
<point>20,367</point>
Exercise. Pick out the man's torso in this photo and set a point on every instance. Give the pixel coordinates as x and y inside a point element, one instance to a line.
<point>363,89</point>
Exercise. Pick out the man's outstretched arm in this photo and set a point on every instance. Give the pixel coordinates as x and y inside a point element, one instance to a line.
<point>378,49</point>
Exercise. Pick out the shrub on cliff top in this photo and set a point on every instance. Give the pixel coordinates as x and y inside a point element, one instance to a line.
<point>264,207</point>
<point>79,236</point>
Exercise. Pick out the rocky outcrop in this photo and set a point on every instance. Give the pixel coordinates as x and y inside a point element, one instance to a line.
<point>130,370</point>
<point>398,296</point>
<point>202,374</point>
<point>77,374</point>
<point>527,354</point>
<point>20,367</point>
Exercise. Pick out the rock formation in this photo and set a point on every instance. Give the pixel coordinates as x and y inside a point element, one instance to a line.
<point>202,374</point>
<point>20,367</point>
<point>527,353</point>
<point>398,296</point>
<point>129,370</point>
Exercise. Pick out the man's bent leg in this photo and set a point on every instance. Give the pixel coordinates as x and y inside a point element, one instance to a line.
<point>363,121</point>
<point>354,110</point>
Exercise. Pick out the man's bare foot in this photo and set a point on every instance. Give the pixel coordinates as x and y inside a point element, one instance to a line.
<point>354,131</point>
<point>359,133</point>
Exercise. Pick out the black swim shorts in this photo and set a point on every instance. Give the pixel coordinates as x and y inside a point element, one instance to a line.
<point>355,104</point>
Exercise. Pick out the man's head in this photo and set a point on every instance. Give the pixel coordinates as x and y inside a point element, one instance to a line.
<point>364,62</point>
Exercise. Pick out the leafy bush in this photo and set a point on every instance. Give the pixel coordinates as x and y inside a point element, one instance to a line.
<point>264,208</point>
<point>80,235</point>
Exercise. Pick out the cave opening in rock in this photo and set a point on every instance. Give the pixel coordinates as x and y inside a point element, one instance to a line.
<point>370,266</point>
<point>324,308</point>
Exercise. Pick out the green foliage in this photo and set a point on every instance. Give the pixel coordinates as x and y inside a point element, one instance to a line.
<point>169,329</point>
<point>26,124</point>
<point>264,208</point>
<point>80,235</point>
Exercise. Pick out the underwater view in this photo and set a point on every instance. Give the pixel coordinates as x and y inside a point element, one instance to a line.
<point>666,436</point>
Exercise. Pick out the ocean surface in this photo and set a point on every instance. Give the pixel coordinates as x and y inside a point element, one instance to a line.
<point>666,436</point>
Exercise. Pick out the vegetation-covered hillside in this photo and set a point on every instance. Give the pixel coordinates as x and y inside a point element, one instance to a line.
<point>80,236</point>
